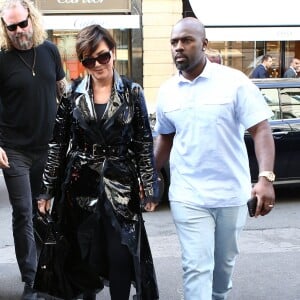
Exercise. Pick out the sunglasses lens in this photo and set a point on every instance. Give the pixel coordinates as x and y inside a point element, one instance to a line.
<point>102,59</point>
<point>89,62</point>
<point>23,24</point>
<point>13,27</point>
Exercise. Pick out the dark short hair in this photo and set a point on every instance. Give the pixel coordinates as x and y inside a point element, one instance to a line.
<point>88,39</point>
<point>266,57</point>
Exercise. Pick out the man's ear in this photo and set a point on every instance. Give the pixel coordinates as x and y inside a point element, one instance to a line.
<point>205,43</point>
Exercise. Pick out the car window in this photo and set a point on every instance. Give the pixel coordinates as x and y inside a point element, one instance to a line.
<point>290,102</point>
<point>284,102</point>
<point>272,98</point>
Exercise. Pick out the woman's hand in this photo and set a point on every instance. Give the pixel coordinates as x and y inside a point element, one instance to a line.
<point>149,206</point>
<point>44,206</point>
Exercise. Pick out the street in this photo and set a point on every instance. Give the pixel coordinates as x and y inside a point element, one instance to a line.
<point>266,269</point>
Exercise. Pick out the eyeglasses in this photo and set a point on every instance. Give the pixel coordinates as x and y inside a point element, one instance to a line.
<point>102,59</point>
<point>14,27</point>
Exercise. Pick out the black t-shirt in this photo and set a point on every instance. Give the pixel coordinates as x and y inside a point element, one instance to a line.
<point>100,109</point>
<point>28,103</point>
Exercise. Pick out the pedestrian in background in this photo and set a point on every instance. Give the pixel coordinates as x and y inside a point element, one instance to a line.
<point>261,71</point>
<point>294,68</point>
<point>31,79</point>
<point>109,164</point>
<point>214,55</point>
<point>202,113</point>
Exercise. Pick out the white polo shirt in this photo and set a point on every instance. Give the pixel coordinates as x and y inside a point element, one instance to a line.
<point>208,161</point>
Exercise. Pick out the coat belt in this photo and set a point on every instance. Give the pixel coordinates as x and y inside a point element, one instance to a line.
<point>98,150</point>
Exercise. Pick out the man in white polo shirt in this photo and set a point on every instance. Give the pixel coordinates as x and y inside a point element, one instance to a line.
<point>202,114</point>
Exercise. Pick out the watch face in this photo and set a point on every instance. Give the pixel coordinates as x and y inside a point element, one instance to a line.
<point>270,176</point>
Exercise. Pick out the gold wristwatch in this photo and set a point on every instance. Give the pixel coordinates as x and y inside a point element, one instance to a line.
<point>269,175</point>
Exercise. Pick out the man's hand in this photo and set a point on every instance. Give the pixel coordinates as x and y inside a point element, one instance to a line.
<point>3,159</point>
<point>264,191</point>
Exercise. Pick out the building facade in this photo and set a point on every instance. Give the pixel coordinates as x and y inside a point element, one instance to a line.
<point>241,33</point>
<point>142,28</point>
<point>244,33</point>
<point>64,18</point>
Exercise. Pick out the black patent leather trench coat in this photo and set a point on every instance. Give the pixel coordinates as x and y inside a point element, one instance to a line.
<point>94,168</point>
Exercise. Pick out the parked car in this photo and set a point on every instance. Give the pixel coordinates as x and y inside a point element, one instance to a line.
<point>283,97</point>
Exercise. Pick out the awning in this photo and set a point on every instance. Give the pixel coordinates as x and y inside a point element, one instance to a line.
<point>76,22</point>
<point>246,13</point>
<point>253,33</point>
<point>253,20</point>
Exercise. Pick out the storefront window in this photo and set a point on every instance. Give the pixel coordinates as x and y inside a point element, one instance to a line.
<point>245,56</point>
<point>292,50</point>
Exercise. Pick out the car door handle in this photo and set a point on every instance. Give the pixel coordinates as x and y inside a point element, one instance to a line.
<point>279,134</point>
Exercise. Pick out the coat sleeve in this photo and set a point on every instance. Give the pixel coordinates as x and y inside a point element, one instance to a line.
<point>57,152</point>
<point>143,146</point>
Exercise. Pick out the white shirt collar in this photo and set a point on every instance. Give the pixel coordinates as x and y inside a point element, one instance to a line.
<point>206,73</point>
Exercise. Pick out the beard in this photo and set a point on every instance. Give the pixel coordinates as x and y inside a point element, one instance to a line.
<point>23,40</point>
<point>182,66</point>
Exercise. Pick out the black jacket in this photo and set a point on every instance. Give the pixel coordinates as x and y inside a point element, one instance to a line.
<point>95,167</point>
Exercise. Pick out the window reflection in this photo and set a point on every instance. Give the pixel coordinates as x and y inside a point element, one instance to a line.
<point>246,55</point>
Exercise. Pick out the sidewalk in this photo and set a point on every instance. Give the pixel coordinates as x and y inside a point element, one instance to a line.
<point>266,269</point>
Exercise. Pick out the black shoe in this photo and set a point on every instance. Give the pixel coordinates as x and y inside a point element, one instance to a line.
<point>89,295</point>
<point>29,293</point>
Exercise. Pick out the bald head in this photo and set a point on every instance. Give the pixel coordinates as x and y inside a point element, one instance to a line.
<point>193,24</point>
<point>188,43</point>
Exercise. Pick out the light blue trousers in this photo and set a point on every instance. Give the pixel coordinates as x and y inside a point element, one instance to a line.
<point>209,245</point>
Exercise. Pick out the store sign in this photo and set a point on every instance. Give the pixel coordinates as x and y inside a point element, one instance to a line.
<point>253,20</point>
<point>83,6</point>
<point>79,21</point>
<point>253,34</point>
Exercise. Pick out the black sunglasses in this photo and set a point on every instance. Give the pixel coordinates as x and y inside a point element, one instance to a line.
<point>21,24</point>
<point>102,59</point>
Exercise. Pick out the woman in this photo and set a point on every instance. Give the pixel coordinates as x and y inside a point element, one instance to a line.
<point>102,142</point>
